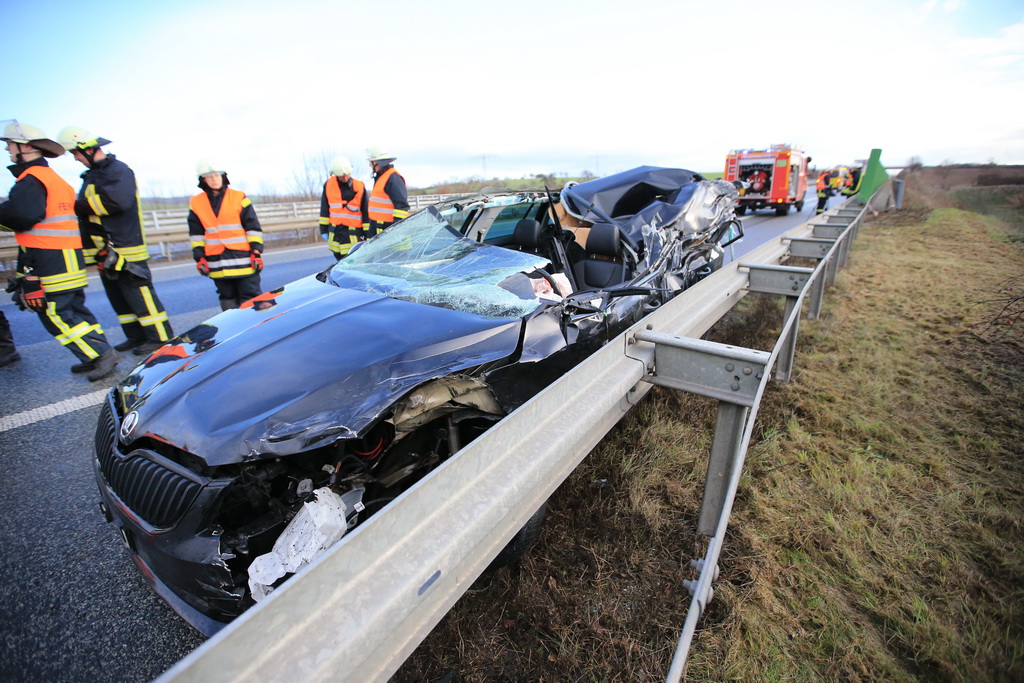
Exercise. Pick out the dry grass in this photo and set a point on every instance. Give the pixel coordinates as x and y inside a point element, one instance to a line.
<point>878,531</point>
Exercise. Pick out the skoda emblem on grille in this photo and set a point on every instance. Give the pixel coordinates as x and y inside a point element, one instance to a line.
<point>128,426</point>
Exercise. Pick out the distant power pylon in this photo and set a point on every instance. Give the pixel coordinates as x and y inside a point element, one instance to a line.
<point>483,161</point>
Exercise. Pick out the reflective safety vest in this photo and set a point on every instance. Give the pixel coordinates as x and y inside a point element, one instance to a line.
<point>347,214</point>
<point>382,209</point>
<point>59,229</point>
<point>223,230</point>
<point>822,182</point>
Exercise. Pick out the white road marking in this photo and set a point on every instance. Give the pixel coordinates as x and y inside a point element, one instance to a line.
<point>53,410</point>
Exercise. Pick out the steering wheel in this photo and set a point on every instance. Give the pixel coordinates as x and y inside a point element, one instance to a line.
<point>551,281</point>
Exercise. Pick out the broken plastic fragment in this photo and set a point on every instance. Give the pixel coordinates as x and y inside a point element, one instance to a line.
<point>317,526</point>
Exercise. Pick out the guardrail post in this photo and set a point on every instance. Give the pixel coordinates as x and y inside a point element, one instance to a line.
<point>727,373</point>
<point>789,281</point>
<point>725,455</point>
<point>833,232</point>
<point>815,248</point>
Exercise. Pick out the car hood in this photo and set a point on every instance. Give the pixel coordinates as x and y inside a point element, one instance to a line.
<point>298,368</point>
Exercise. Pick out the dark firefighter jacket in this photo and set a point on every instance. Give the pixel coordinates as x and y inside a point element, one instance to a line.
<point>852,184</point>
<point>344,213</point>
<point>109,212</point>
<point>223,229</point>
<point>389,201</point>
<point>40,211</point>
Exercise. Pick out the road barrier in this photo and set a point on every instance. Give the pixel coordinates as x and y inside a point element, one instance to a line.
<point>359,610</point>
<point>167,229</point>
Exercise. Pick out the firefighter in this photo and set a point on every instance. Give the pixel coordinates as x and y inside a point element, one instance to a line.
<point>389,200</point>
<point>344,209</point>
<point>851,183</point>
<point>826,189</point>
<point>51,276</point>
<point>227,241</point>
<point>110,218</point>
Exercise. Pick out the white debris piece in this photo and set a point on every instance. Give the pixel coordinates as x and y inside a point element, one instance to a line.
<point>317,526</point>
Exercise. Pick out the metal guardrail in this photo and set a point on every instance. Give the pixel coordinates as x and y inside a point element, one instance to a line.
<point>167,227</point>
<point>172,220</point>
<point>360,609</point>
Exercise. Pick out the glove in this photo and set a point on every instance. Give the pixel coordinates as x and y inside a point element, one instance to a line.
<point>14,289</point>
<point>112,261</point>
<point>256,261</point>
<point>32,294</point>
<point>203,267</point>
<point>101,257</point>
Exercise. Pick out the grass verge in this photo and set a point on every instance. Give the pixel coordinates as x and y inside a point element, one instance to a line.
<point>877,533</point>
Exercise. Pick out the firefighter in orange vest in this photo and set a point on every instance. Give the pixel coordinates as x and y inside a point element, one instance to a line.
<point>226,238</point>
<point>51,276</point>
<point>389,201</point>
<point>110,219</point>
<point>344,209</point>
<point>851,183</point>
<point>826,188</point>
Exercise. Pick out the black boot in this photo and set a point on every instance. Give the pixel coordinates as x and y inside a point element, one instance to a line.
<point>8,354</point>
<point>84,366</point>
<point>129,344</point>
<point>105,365</point>
<point>147,348</point>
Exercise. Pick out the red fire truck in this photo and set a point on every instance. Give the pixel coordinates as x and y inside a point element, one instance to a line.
<point>775,177</point>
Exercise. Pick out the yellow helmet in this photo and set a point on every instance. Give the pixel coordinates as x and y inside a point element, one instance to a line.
<point>378,154</point>
<point>76,137</point>
<point>341,166</point>
<point>24,134</point>
<point>205,167</point>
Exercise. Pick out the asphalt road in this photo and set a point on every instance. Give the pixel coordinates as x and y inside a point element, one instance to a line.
<point>73,606</point>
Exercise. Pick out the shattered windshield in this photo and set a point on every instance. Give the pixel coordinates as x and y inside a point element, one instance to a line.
<point>425,260</point>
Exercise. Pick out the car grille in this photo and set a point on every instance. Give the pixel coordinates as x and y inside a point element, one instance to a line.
<point>145,482</point>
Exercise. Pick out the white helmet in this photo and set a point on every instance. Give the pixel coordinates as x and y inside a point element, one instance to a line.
<point>341,166</point>
<point>24,134</point>
<point>205,167</point>
<point>378,154</point>
<point>75,137</point>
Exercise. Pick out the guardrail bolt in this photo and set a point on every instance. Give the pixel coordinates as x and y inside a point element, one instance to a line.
<point>747,371</point>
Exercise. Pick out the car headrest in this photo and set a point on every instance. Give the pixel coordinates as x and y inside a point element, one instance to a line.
<point>527,233</point>
<point>603,240</point>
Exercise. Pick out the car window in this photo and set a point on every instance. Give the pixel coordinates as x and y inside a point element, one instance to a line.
<point>504,223</point>
<point>425,260</point>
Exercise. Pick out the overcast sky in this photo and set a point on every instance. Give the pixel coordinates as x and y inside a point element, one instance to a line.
<point>457,89</point>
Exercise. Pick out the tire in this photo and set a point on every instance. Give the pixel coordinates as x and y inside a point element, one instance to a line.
<point>741,210</point>
<point>799,206</point>
<point>782,210</point>
<point>521,542</point>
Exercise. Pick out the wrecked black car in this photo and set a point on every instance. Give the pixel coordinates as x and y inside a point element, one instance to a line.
<point>240,450</point>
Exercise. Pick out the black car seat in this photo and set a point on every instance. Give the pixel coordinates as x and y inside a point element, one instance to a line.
<point>603,265</point>
<point>527,237</point>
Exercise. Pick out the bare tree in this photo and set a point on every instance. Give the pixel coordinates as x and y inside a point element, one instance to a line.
<point>944,171</point>
<point>308,181</point>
